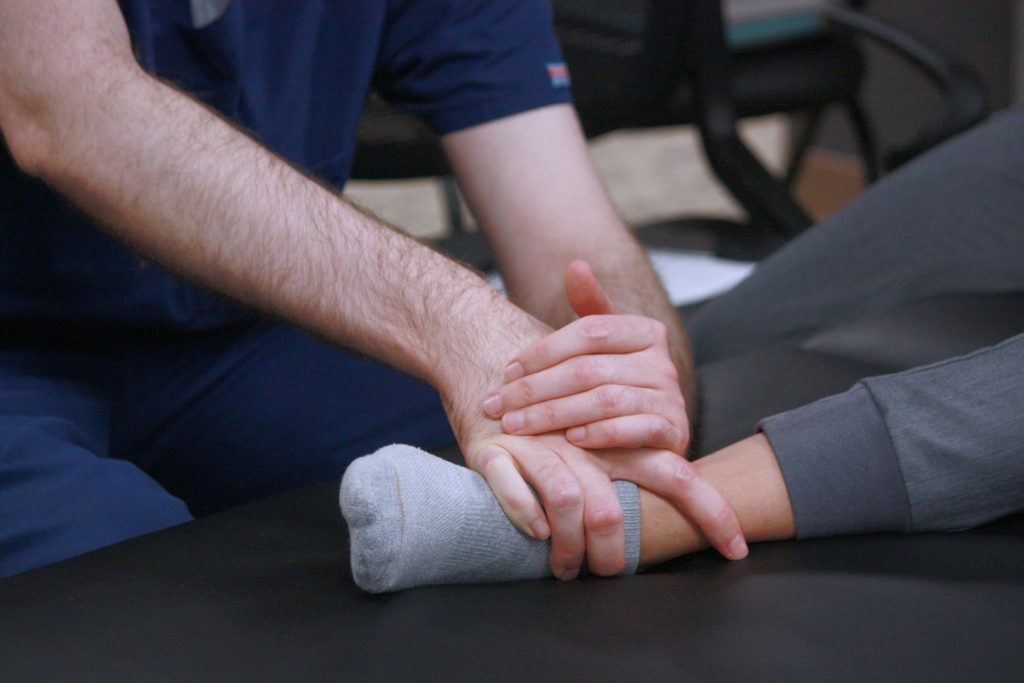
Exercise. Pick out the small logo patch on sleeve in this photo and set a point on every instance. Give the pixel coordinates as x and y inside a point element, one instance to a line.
<point>558,72</point>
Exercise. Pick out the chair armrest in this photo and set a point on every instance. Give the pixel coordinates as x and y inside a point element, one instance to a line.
<point>966,102</point>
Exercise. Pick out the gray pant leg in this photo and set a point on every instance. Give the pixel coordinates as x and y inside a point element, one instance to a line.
<point>950,222</point>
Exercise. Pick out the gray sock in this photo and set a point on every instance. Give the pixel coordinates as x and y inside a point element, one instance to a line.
<point>415,519</point>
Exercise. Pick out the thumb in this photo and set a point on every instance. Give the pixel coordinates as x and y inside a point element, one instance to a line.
<point>586,296</point>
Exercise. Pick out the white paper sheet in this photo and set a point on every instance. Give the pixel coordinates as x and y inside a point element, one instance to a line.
<point>688,276</point>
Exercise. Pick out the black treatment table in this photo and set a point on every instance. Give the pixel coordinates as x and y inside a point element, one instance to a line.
<point>263,592</point>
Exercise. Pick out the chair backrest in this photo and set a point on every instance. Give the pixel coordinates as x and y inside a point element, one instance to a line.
<point>703,56</point>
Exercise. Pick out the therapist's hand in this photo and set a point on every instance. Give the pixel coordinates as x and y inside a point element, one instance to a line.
<point>546,486</point>
<point>607,379</point>
<point>585,513</point>
<point>581,508</point>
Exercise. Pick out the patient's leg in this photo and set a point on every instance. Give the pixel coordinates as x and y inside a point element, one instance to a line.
<point>415,519</point>
<point>947,223</point>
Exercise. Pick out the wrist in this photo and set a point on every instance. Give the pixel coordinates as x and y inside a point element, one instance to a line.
<point>747,474</point>
<point>486,331</point>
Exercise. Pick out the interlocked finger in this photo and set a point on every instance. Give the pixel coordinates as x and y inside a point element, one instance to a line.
<point>514,495</point>
<point>587,336</point>
<point>562,497</point>
<point>602,403</point>
<point>631,431</point>
<point>574,376</point>
<point>602,514</point>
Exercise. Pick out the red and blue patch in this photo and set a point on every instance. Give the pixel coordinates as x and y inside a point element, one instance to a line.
<point>558,72</point>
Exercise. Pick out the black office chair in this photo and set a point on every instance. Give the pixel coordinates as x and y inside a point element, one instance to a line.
<point>721,90</point>
<point>668,62</point>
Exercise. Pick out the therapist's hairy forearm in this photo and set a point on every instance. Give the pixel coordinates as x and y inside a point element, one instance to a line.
<point>184,187</point>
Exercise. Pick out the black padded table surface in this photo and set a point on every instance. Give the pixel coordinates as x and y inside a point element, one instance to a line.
<point>262,593</point>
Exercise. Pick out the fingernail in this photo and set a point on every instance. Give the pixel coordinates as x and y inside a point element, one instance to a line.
<point>513,422</point>
<point>737,547</point>
<point>540,529</point>
<point>569,574</point>
<point>576,434</point>
<point>492,405</point>
<point>513,371</point>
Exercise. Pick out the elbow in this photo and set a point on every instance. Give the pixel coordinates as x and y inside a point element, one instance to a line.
<point>29,124</point>
<point>46,128</point>
<point>30,145</point>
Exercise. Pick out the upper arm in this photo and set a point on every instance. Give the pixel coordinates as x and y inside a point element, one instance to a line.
<point>55,57</point>
<point>535,163</point>
<point>532,185</point>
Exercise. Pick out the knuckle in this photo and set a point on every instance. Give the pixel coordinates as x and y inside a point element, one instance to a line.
<point>683,440</point>
<point>608,397</point>
<point>550,470</point>
<point>722,516</point>
<point>682,473</point>
<point>608,432</point>
<point>633,401</point>
<point>659,330</point>
<point>667,368</point>
<point>603,518</point>
<point>525,391</point>
<point>565,494</point>
<point>541,350</point>
<point>588,372</point>
<point>547,413</point>
<point>559,488</point>
<point>659,430</point>
<point>485,460</point>
<point>615,366</point>
<point>684,432</point>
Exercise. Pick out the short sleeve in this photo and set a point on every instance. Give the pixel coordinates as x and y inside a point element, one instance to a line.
<point>459,63</point>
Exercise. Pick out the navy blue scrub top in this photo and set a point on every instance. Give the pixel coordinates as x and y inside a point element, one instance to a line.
<point>296,74</point>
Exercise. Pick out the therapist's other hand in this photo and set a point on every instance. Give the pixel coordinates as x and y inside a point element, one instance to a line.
<point>606,379</point>
<point>546,486</point>
<point>609,381</point>
<point>582,510</point>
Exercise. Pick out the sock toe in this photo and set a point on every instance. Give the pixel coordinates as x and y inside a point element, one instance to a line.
<point>371,504</point>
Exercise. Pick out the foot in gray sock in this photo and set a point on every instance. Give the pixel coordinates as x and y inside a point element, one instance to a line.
<point>415,519</point>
